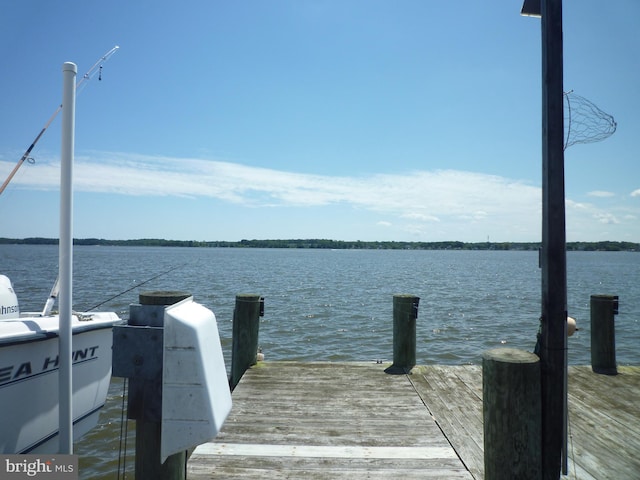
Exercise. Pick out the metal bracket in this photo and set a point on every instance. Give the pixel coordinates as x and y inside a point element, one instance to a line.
<point>137,352</point>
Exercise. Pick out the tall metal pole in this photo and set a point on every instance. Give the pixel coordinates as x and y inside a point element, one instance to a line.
<point>553,338</point>
<point>65,407</point>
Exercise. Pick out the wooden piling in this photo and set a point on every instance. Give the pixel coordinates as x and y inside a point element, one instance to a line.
<point>246,326</point>
<point>603,338</point>
<point>512,414</point>
<point>405,313</point>
<point>148,427</point>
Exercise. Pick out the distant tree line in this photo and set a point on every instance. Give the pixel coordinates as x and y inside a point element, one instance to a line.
<point>608,246</point>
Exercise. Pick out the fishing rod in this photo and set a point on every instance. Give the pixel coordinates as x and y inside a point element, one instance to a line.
<point>137,285</point>
<point>85,78</point>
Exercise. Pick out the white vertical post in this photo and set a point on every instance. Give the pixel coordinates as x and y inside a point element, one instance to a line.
<point>65,380</point>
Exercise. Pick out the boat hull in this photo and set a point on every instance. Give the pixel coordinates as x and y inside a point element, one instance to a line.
<point>29,380</point>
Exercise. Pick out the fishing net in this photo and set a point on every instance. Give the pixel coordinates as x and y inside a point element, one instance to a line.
<point>584,122</point>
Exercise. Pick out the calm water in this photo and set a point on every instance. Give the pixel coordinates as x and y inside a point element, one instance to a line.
<point>337,305</point>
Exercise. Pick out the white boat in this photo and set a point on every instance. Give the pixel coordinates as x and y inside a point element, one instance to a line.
<point>29,374</point>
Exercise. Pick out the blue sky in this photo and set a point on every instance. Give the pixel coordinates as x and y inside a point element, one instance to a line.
<point>351,120</point>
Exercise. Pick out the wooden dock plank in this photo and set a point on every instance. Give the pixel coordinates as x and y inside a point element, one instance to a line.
<point>451,394</point>
<point>604,423</point>
<point>330,421</point>
<point>338,421</point>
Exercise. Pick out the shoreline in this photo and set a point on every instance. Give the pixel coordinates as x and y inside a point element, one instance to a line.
<point>320,244</point>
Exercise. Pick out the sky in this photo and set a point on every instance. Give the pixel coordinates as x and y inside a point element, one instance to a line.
<point>409,120</point>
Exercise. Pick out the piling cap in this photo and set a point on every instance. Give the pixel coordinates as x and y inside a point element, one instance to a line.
<point>162,297</point>
<point>604,297</point>
<point>510,355</point>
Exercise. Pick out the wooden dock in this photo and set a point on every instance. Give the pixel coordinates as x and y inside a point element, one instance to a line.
<point>351,420</point>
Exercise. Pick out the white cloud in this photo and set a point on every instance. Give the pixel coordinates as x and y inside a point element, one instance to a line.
<point>606,218</point>
<point>438,204</point>
<point>421,217</point>
<point>586,222</point>
<point>570,204</point>
<point>419,195</point>
<point>601,194</point>
<point>453,198</point>
<point>636,193</point>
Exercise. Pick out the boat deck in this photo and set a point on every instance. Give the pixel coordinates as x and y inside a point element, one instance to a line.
<point>351,420</point>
